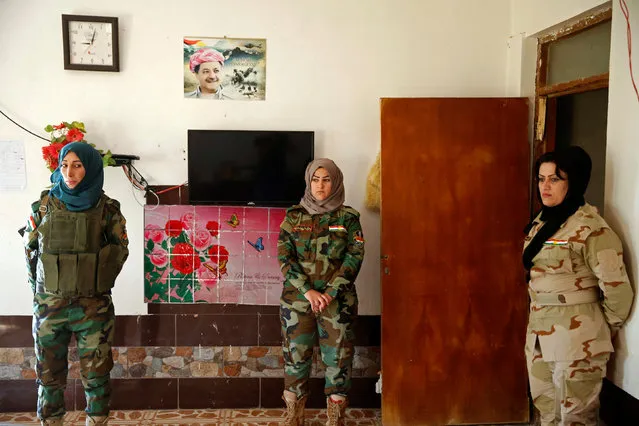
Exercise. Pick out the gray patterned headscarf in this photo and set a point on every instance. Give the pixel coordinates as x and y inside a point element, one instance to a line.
<point>335,199</point>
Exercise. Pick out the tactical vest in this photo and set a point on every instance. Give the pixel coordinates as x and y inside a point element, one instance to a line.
<point>75,257</point>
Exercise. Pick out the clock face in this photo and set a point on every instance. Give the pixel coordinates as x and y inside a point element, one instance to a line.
<point>91,43</point>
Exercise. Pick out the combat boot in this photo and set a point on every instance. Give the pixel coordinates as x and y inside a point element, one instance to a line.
<point>335,411</point>
<point>294,411</point>
<point>54,421</point>
<point>97,420</point>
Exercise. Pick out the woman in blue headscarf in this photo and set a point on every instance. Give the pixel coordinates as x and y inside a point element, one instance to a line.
<point>76,244</point>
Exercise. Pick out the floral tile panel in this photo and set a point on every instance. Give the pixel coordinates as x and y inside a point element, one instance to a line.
<point>210,254</point>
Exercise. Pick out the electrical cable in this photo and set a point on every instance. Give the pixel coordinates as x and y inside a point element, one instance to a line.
<point>139,182</point>
<point>626,14</point>
<point>171,188</point>
<point>24,128</point>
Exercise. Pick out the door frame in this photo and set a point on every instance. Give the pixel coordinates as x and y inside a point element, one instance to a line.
<point>545,114</point>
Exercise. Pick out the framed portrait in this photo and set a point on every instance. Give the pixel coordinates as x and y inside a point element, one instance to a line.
<point>225,68</point>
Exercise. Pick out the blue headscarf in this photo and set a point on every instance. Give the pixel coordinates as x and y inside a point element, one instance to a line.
<point>89,190</point>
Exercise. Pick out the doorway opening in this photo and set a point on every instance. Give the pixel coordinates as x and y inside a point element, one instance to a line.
<point>582,121</point>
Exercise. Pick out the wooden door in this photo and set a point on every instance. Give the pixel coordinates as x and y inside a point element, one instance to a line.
<point>454,204</point>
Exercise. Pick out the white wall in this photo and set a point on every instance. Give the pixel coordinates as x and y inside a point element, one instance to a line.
<point>531,17</point>
<point>622,182</point>
<point>328,63</point>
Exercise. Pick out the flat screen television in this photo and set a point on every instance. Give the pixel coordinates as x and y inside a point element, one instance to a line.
<point>242,167</point>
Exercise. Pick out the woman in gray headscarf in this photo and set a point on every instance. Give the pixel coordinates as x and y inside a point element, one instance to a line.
<point>320,249</point>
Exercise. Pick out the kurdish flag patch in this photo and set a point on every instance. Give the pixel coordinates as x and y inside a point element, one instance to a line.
<point>554,242</point>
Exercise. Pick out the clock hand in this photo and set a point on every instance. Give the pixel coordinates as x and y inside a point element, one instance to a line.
<point>93,36</point>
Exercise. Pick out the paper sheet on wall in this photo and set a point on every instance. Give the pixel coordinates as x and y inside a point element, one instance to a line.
<point>13,176</point>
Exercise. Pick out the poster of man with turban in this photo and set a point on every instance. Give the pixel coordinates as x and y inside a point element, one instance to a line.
<point>225,68</point>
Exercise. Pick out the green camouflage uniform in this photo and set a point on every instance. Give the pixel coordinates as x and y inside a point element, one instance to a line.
<point>579,292</point>
<point>323,252</point>
<point>55,318</point>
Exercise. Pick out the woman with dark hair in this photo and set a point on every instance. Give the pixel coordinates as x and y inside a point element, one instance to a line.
<point>580,294</point>
<point>76,244</point>
<point>320,249</point>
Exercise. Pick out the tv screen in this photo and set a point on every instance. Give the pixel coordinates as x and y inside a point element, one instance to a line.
<point>239,167</point>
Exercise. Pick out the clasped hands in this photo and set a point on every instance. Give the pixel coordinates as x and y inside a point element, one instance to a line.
<point>319,301</point>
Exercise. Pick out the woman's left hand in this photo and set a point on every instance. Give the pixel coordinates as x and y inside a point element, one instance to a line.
<point>327,299</point>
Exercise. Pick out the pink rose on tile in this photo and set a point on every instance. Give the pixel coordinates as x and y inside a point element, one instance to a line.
<point>208,271</point>
<point>201,238</point>
<point>188,220</point>
<point>159,257</point>
<point>154,233</point>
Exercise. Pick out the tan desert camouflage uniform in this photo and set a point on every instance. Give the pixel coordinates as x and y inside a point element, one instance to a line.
<point>579,292</point>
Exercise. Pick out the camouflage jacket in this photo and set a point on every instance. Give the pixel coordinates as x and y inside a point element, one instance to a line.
<point>322,251</point>
<point>113,223</point>
<point>583,256</point>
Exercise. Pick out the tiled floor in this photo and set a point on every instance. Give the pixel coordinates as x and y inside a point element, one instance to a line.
<point>255,417</point>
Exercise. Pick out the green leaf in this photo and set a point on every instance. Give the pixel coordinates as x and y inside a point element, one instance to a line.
<point>59,139</point>
<point>150,244</point>
<point>148,291</point>
<point>48,129</point>
<point>148,265</point>
<point>179,239</point>
<point>78,125</point>
<point>154,276</point>
<point>107,159</point>
<point>165,245</point>
<point>184,290</point>
<point>151,289</point>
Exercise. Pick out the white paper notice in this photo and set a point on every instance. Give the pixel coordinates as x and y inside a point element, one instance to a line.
<point>13,175</point>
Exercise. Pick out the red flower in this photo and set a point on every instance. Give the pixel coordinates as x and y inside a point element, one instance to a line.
<point>186,263</point>
<point>59,126</point>
<point>220,252</point>
<point>213,227</point>
<point>74,135</point>
<point>173,228</point>
<point>51,154</point>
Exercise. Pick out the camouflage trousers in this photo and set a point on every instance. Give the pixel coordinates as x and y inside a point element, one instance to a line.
<point>333,328</point>
<point>566,393</point>
<point>55,319</point>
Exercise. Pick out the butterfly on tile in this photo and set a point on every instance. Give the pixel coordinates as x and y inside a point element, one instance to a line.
<point>257,245</point>
<point>234,221</point>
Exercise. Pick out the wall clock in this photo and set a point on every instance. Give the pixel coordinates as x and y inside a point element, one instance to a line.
<point>90,43</point>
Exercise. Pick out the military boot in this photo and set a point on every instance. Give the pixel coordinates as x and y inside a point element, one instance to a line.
<point>97,420</point>
<point>294,411</point>
<point>335,410</point>
<point>54,421</point>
